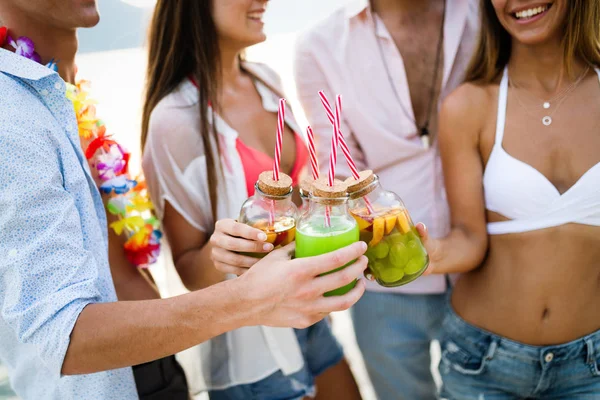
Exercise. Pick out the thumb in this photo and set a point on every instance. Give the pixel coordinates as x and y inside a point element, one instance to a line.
<point>423,232</point>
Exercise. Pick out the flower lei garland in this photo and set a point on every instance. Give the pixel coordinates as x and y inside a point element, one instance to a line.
<point>129,199</point>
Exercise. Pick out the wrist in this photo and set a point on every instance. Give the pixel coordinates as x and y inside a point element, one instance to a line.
<point>241,302</point>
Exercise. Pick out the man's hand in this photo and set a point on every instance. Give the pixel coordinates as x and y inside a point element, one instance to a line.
<point>286,292</point>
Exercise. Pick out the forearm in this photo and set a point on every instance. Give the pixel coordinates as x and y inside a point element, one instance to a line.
<point>196,269</point>
<point>460,251</point>
<point>115,335</point>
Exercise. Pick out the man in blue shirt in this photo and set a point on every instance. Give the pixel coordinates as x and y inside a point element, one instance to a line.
<point>63,335</point>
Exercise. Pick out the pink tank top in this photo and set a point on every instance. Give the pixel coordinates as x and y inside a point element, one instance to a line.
<point>255,162</point>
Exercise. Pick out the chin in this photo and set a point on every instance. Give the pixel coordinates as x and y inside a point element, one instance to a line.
<point>88,15</point>
<point>89,22</point>
<point>254,39</point>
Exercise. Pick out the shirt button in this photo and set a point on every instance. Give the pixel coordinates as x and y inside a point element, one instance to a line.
<point>12,253</point>
<point>44,92</point>
<point>58,86</point>
<point>549,357</point>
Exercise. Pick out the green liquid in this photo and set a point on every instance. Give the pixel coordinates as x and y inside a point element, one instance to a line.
<point>316,240</point>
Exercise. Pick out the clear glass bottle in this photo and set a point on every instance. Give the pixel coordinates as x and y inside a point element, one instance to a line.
<point>396,254</point>
<point>326,226</point>
<point>304,189</point>
<point>271,210</point>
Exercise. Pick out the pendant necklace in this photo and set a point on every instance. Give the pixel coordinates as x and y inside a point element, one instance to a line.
<point>560,97</point>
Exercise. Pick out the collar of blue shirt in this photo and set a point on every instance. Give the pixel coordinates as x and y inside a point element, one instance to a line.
<point>20,67</point>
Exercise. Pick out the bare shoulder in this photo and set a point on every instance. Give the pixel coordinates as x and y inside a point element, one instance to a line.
<point>467,108</point>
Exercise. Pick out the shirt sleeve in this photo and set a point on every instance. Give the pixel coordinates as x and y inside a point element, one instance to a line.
<point>174,163</point>
<point>310,78</point>
<point>47,276</point>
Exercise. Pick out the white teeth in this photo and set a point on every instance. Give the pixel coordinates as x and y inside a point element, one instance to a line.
<point>256,15</point>
<point>531,12</point>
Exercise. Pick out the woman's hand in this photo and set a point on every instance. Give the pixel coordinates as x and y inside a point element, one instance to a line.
<point>229,239</point>
<point>432,246</point>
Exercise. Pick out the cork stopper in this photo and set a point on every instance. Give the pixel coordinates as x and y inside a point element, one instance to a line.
<point>356,187</point>
<point>271,187</point>
<point>323,190</point>
<point>306,185</point>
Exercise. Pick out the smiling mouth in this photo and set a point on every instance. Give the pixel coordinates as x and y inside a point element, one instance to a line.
<point>256,15</point>
<point>530,13</point>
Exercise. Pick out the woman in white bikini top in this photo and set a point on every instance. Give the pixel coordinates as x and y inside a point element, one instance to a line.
<point>520,144</point>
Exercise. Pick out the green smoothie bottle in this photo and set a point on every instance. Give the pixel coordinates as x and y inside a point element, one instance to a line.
<point>327,225</point>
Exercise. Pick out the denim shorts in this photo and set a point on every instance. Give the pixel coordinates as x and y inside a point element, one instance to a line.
<point>479,365</point>
<point>320,349</point>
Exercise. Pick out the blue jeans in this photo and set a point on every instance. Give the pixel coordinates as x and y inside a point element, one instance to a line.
<point>320,349</point>
<point>394,332</point>
<point>479,365</point>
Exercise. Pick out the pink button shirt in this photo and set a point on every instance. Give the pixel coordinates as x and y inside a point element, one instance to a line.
<point>340,55</point>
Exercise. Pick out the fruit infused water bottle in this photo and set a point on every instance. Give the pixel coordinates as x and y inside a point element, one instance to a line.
<point>327,226</point>
<point>395,251</point>
<point>271,210</point>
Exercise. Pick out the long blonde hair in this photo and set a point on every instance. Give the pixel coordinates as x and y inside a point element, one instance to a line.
<point>581,40</point>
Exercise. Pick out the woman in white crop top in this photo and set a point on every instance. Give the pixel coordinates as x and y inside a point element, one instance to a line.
<point>520,144</point>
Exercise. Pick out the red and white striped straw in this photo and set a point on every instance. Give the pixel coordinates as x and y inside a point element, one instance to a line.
<point>314,163</point>
<point>342,140</point>
<point>343,144</point>
<point>333,153</point>
<point>279,140</point>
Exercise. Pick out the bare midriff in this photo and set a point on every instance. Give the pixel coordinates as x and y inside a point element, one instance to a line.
<point>540,287</point>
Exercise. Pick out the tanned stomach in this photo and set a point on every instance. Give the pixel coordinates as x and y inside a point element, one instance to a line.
<point>540,287</point>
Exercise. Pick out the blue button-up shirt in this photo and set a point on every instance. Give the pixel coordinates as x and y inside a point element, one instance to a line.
<point>53,238</point>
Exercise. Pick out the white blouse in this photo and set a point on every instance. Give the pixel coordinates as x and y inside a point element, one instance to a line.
<point>174,166</point>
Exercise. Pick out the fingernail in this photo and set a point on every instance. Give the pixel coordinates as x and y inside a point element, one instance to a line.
<point>262,236</point>
<point>424,226</point>
<point>369,277</point>
<point>268,247</point>
<point>363,246</point>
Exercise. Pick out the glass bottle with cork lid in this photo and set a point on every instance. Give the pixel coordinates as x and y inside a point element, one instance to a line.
<point>271,210</point>
<point>304,189</point>
<point>327,225</point>
<point>395,251</point>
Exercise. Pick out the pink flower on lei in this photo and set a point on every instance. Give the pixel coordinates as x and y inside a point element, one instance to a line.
<point>112,163</point>
<point>24,47</point>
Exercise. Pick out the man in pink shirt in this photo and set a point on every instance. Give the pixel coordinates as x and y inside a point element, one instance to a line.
<point>393,61</point>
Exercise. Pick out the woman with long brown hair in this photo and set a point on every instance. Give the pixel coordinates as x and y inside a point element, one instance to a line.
<point>520,144</point>
<point>208,126</point>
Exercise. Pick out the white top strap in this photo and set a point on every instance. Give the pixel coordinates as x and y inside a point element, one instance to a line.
<point>502,100</point>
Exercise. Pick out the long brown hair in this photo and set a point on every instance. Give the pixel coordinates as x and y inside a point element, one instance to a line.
<point>183,42</point>
<point>581,40</point>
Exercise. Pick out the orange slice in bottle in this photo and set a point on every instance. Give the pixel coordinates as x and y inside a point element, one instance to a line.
<point>291,235</point>
<point>403,224</point>
<point>362,224</point>
<point>271,237</point>
<point>390,223</point>
<point>378,231</point>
